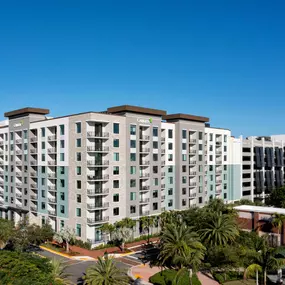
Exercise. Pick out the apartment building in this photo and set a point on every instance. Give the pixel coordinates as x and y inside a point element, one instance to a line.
<point>87,169</point>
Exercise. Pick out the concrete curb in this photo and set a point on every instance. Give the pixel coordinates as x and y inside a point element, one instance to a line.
<point>56,252</point>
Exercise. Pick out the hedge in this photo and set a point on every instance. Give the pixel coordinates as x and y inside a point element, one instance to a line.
<point>166,276</point>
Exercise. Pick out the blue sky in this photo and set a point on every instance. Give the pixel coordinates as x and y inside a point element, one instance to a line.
<point>222,59</point>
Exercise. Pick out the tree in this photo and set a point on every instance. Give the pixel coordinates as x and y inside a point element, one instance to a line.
<point>220,229</point>
<point>66,235</point>
<point>104,272</point>
<point>276,198</point>
<point>147,223</point>
<point>6,231</point>
<point>58,272</point>
<point>21,237</point>
<point>180,247</point>
<point>108,229</point>
<point>252,270</point>
<point>277,222</point>
<point>123,230</point>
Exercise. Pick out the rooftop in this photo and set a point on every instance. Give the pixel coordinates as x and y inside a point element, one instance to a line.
<point>136,109</point>
<point>26,111</point>
<point>179,116</point>
<point>260,209</point>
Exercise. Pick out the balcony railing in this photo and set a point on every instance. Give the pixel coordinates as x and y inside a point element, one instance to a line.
<point>51,175</point>
<point>144,201</point>
<point>162,173</point>
<point>192,196</point>
<point>52,200</point>
<point>34,197</point>
<point>1,143</point>
<point>97,220</point>
<point>98,148</point>
<point>192,184</point>
<point>218,162</point>
<point>52,138</point>
<point>51,150</point>
<point>18,141</point>
<point>94,163</point>
<point>52,162</point>
<point>192,173</point>
<point>34,139</point>
<point>18,162</point>
<point>145,149</point>
<point>97,206</point>
<point>33,185</point>
<point>98,134</point>
<point>192,162</point>
<point>218,152</point>
<point>144,162</point>
<point>163,186</point>
<point>163,163</point>
<point>144,175</point>
<point>18,173</point>
<point>33,174</point>
<point>1,173</point>
<point>163,197</point>
<point>19,152</point>
<point>19,195</point>
<point>33,162</point>
<point>19,184</point>
<point>34,209</point>
<point>144,187</point>
<point>192,151</point>
<point>163,139</point>
<point>34,150</point>
<point>98,191</point>
<point>52,213</point>
<point>218,181</point>
<point>192,141</point>
<point>219,191</point>
<point>51,187</point>
<point>144,213</point>
<point>144,138</point>
<point>98,177</point>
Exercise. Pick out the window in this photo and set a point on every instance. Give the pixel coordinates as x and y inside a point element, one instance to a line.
<point>133,157</point>
<point>43,205</point>
<point>225,167</point>
<point>225,158</point>
<point>62,196</point>
<point>116,143</point>
<point>43,145</point>
<point>200,168</point>
<point>133,196</point>
<point>200,189</point>
<point>78,198</point>
<point>155,131</point>
<point>225,148</point>
<point>133,130</point>
<point>61,143</point>
<point>170,203</point>
<point>62,183</point>
<point>183,202</point>
<point>78,230</point>
<point>225,195</point>
<point>211,157</point>
<point>170,180</point>
<point>25,146</point>
<point>78,170</point>
<point>200,135</point>
<point>170,169</point>
<point>116,128</point>
<point>43,193</point>
<point>225,138</point>
<point>183,191</point>
<point>170,134</point>
<point>116,184</point>
<point>211,137</point>
<point>211,168</point>
<point>133,183</point>
<point>184,157</point>
<point>78,212</point>
<point>78,156</point>
<point>116,170</point>
<point>132,209</point>
<point>184,179</point>
<point>155,206</point>
<point>116,198</point>
<point>211,147</point>
<point>170,191</point>
<point>78,127</point>
<point>61,169</point>
<point>11,136</point>
<point>200,200</point>
<point>225,186</point>
<point>133,170</point>
<point>155,169</point>
<point>170,146</point>
<point>155,157</point>
<point>43,131</point>
<point>184,168</point>
<point>61,129</point>
<point>116,156</point>
<point>25,180</point>
<point>155,145</point>
<point>43,157</point>
<point>170,157</point>
<point>133,144</point>
<point>200,147</point>
<point>211,177</point>
<point>116,211</point>
<point>225,176</point>
<point>155,181</point>
<point>43,181</point>
<point>78,142</point>
<point>200,157</point>
<point>78,184</point>
<point>61,224</point>
<point>211,187</point>
<point>184,146</point>
<point>61,156</point>
<point>184,134</point>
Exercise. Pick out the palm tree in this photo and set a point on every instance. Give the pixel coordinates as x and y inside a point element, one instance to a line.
<point>180,246</point>
<point>252,270</point>
<point>104,272</point>
<point>108,229</point>
<point>220,229</point>
<point>58,272</point>
<point>277,222</point>
<point>6,232</point>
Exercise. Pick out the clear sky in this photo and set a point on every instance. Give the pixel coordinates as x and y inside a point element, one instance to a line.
<point>224,59</point>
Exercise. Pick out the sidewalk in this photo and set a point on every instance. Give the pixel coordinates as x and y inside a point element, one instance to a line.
<point>144,272</point>
<point>205,280</point>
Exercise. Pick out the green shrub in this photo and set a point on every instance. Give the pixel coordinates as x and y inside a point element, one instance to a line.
<point>165,278</point>
<point>82,244</point>
<point>102,246</point>
<point>222,277</point>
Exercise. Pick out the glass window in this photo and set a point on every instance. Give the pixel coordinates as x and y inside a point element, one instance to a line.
<point>78,198</point>
<point>25,146</point>
<point>61,169</point>
<point>133,157</point>
<point>155,157</point>
<point>225,148</point>
<point>116,170</point>
<point>43,145</point>
<point>211,137</point>
<point>170,169</point>
<point>43,169</point>
<point>170,146</point>
<point>184,157</point>
<point>155,181</point>
<point>170,134</point>
<point>133,144</point>
<point>225,138</point>
<point>155,193</point>
<point>78,184</point>
<point>155,145</point>
<point>200,157</point>
<point>132,209</point>
<point>78,127</point>
<point>184,134</point>
<point>155,131</point>
<point>133,170</point>
<point>116,143</point>
<point>43,157</point>
<point>184,179</point>
<point>78,212</point>
<point>200,135</point>
<point>61,143</point>
<point>78,230</point>
<point>43,181</point>
<point>43,205</point>
<point>133,183</point>
<point>170,191</point>
<point>211,158</point>
<point>225,186</point>
<point>116,128</point>
<point>78,142</point>
<point>132,130</point>
<point>183,168</point>
<point>225,167</point>
<point>78,170</point>
<point>61,128</point>
<point>11,136</point>
<point>183,191</point>
<point>116,184</point>
<point>200,200</point>
<point>225,158</point>
<point>62,196</point>
<point>184,146</point>
<point>170,157</point>
<point>170,203</point>
<point>170,180</point>
<point>116,156</point>
<point>155,169</point>
<point>133,196</point>
<point>61,224</point>
<point>61,156</point>
<point>116,198</point>
<point>43,131</point>
<point>43,193</point>
<point>211,168</point>
<point>116,211</point>
<point>62,182</point>
<point>155,206</point>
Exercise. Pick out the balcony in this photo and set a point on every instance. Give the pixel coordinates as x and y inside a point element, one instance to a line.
<point>163,163</point>
<point>192,162</point>
<point>1,152</point>
<point>163,151</point>
<point>162,186</point>
<point>144,138</point>
<point>218,152</point>
<point>218,143</point>
<point>1,143</point>
<point>97,163</point>
<point>19,152</point>
<point>34,208</point>
<point>33,139</point>
<point>162,174</point>
<point>18,174</point>
<point>33,186</point>
<point>97,220</point>
<point>1,183</point>
<point>19,195</point>
<point>98,206</point>
<point>93,192</point>
<point>33,174</point>
<point>51,150</point>
<point>52,212</point>
<point>34,197</point>
<point>18,141</point>
<point>192,184</point>
<point>97,134</point>
<point>162,139</point>
<point>145,149</point>
<point>144,162</point>
<point>163,198</point>
<point>51,188</point>
<point>192,152</point>
<point>98,177</point>
<point>52,138</point>
<point>144,213</point>
<point>218,162</point>
<point>97,148</point>
<point>192,196</point>
<point>218,192</point>
<point>17,162</point>
<point>18,184</point>
<point>192,141</point>
<point>1,173</point>
<point>52,162</point>
<point>52,200</point>
<point>218,172</point>
<point>144,201</point>
<point>34,150</point>
<point>52,175</point>
<point>192,173</point>
<point>144,188</point>
<point>33,162</point>
<point>144,175</point>
<point>218,181</point>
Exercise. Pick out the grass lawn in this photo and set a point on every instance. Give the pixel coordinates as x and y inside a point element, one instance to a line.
<point>241,282</point>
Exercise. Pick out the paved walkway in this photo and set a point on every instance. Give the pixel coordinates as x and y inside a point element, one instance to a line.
<point>205,280</point>
<point>143,272</point>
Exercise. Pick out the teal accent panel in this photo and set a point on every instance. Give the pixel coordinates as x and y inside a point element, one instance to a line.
<point>234,182</point>
<point>41,187</point>
<point>211,193</point>
<point>167,186</point>
<point>64,190</point>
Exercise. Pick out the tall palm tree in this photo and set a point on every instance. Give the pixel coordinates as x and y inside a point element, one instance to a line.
<point>58,272</point>
<point>252,270</point>
<point>220,229</point>
<point>104,272</point>
<point>180,246</point>
<point>277,222</point>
